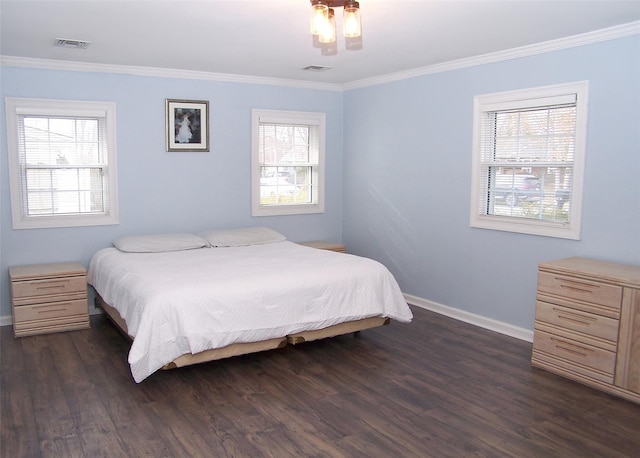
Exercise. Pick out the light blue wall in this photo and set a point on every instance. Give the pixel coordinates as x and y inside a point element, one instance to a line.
<point>168,192</point>
<point>408,167</point>
<point>401,177</point>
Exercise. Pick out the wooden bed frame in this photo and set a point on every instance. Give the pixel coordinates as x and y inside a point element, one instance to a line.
<point>252,347</point>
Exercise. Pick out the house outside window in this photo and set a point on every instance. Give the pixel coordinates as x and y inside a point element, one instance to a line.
<point>287,162</point>
<point>62,163</point>
<point>528,160</point>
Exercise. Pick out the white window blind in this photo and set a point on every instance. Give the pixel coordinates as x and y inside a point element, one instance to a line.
<point>526,154</point>
<point>288,153</point>
<point>63,165</point>
<point>61,160</point>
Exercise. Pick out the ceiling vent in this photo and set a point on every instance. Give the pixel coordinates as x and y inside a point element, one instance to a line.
<point>316,68</point>
<point>66,43</point>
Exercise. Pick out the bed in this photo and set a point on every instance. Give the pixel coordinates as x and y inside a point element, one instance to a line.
<point>187,298</point>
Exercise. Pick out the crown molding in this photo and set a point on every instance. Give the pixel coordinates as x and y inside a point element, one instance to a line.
<point>67,65</point>
<point>611,33</point>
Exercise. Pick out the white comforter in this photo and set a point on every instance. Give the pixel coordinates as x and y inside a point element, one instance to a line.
<point>190,301</point>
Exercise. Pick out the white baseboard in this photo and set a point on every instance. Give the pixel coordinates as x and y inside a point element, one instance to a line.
<point>6,320</point>
<point>472,318</point>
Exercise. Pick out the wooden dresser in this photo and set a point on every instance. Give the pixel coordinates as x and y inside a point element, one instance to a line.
<point>48,298</point>
<point>587,324</point>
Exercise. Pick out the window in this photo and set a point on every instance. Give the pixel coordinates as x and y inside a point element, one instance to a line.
<point>61,163</point>
<point>287,162</point>
<point>528,160</point>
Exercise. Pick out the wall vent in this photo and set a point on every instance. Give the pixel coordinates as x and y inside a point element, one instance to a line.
<point>67,43</point>
<point>316,68</point>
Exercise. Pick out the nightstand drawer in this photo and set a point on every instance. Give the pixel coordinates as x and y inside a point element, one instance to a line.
<point>579,289</point>
<point>68,323</point>
<point>50,310</point>
<point>48,287</point>
<point>577,320</point>
<point>584,355</point>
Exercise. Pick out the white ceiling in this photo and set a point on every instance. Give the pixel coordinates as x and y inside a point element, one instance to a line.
<point>271,38</point>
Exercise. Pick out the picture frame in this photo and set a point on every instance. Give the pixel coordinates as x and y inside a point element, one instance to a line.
<point>187,125</point>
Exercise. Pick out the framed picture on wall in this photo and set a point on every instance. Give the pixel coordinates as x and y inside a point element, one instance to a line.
<point>187,125</point>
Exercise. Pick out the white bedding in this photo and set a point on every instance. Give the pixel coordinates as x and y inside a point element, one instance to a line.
<point>189,301</point>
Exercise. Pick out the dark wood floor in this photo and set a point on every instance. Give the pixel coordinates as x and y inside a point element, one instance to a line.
<point>436,387</point>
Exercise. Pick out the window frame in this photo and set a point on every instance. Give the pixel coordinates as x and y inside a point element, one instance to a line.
<point>294,118</point>
<point>16,107</point>
<point>523,99</point>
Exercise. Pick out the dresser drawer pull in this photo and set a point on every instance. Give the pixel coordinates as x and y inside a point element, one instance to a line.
<point>577,286</point>
<point>574,317</point>
<point>573,349</point>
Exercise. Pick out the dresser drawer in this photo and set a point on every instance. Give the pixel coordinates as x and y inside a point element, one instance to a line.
<point>50,310</point>
<point>578,320</point>
<point>580,289</point>
<point>580,353</point>
<point>48,287</point>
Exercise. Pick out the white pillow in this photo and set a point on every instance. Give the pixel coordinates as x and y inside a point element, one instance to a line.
<point>159,243</point>
<point>241,237</point>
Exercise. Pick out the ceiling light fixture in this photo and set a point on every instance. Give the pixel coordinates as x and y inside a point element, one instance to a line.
<point>323,20</point>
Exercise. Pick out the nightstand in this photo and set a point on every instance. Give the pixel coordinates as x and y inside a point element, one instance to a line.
<point>48,298</point>
<point>338,247</point>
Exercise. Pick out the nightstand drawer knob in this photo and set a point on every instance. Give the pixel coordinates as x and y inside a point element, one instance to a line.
<point>59,284</point>
<point>52,310</point>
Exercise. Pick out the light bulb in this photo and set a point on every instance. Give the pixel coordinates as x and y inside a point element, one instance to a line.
<point>319,16</point>
<point>328,33</point>
<point>351,18</point>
